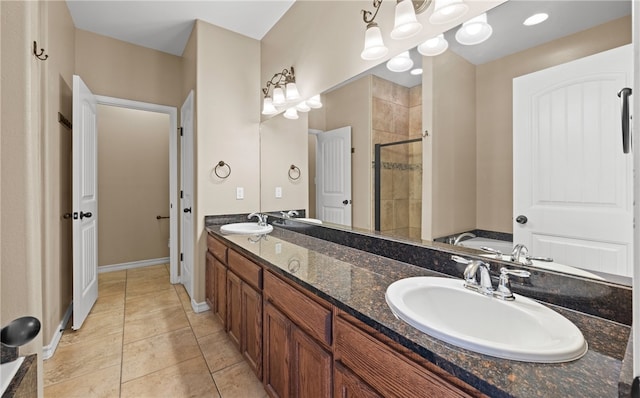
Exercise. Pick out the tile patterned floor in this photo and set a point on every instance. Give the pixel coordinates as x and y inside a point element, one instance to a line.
<point>142,339</point>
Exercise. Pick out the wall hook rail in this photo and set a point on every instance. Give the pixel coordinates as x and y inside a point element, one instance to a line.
<point>294,172</point>
<point>221,164</point>
<point>40,55</point>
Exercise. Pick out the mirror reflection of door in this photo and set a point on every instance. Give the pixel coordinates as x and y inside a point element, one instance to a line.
<point>571,179</point>
<point>333,176</point>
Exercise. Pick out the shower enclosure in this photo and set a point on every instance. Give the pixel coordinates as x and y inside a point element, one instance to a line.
<point>398,188</point>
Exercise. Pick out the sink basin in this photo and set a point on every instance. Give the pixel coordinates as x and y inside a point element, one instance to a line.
<point>521,330</point>
<point>246,228</point>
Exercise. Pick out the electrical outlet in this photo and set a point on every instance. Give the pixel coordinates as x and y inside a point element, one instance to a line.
<point>278,192</point>
<point>239,193</point>
<point>278,248</point>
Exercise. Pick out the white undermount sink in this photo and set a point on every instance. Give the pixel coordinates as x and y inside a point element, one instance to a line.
<point>522,330</point>
<point>246,228</point>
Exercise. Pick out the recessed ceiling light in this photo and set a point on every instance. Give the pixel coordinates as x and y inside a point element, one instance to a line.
<point>536,19</point>
<point>416,71</point>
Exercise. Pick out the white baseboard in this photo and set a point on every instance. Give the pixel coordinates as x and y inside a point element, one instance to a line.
<point>199,307</point>
<point>133,264</point>
<point>49,350</point>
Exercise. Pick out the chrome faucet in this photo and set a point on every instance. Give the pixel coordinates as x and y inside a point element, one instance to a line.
<point>470,275</point>
<point>458,238</point>
<point>520,254</point>
<point>262,218</point>
<point>289,214</point>
<point>502,292</point>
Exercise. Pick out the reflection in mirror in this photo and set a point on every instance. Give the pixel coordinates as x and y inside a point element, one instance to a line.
<point>464,169</point>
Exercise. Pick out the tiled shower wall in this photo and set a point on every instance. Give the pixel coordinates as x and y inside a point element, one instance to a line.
<point>397,116</point>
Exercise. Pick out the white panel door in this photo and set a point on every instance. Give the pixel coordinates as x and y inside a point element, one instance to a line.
<point>186,215</point>
<point>571,179</point>
<point>333,176</point>
<point>85,202</point>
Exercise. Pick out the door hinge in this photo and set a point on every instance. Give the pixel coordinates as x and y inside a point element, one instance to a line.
<point>180,131</point>
<point>181,256</point>
<point>353,150</point>
<point>181,194</point>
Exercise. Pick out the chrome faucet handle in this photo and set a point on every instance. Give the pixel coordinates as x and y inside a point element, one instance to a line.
<point>292,213</point>
<point>497,253</point>
<point>263,220</point>
<point>503,292</point>
<point>285,215</point>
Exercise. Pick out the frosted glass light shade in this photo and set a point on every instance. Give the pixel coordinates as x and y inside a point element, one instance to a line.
<point>406,24</point>
<point>400,63</point>
<point>374,47</point>
<point>434,46</point>
<point>291,113</point>
<point>267,107</point>
<point>474,31</point>
<point>292,91</point>
<point>303,107</point>
<point>314,102</point>
<point>536,19</point>
<point>278,96</point>
<point>446,11</point>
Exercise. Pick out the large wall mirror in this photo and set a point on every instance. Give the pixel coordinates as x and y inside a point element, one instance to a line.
<point>443,143</point>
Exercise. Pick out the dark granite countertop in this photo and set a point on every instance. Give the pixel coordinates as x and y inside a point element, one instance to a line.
<point>355,281</point>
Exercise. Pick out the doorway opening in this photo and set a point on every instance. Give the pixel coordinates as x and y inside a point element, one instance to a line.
<point>130,199</point>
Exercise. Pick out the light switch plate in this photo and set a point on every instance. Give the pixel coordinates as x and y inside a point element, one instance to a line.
<point>239,193</point>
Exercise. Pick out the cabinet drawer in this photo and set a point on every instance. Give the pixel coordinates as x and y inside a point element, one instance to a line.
<point>246,269</point>
<point>386,370</point>
<point>217,248</point>
<point>306,313</point>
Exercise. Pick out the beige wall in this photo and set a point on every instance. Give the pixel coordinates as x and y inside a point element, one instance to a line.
<point>133,185</point>
<point>494,113</point>
<point>57,271</point>
<point>228,117</point>
<point>21,233</point>
<point>350,105</point>
<point>280,143</point>
<point>118,69</point>
<point>454,145</point>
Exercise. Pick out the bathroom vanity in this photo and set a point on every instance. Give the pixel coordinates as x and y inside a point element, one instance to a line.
<point>310,318</point>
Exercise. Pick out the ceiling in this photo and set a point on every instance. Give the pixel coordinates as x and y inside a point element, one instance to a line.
<point>165,25</point>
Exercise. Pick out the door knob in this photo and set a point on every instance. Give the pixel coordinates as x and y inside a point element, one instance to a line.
<point>87,215</point>
<point>187,210</point>
<point>521,219</point>
<point>346,202</point>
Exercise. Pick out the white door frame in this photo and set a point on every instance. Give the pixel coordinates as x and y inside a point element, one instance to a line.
<point>173,168</point>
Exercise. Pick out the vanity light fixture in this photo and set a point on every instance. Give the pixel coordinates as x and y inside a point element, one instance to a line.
<point>434,46</point>
<point>314,102</point>
<point>474,31</point>
<point>446,11</point>
<point>303,107</point>
<point>400,63</point>
<point>536,19</point>
<point>405,26</point>
<point>286,78</point>
<point>291,113</point>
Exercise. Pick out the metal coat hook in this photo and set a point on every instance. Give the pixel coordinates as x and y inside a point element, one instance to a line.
<point>296,172</point>
<point>220,165</point>
<point>40,55</point>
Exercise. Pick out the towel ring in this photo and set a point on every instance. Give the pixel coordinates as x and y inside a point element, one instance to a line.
<point>295,171</point>
<point>220,165</point>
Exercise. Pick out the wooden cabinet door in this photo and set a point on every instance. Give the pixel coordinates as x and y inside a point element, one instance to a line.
<point>251,331</point>
<point>311,371</point>
<point>348,385</point>
<point>209,289</point>
<point>234,313</point>
<point>276,352</point>
<point>220,291</point>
